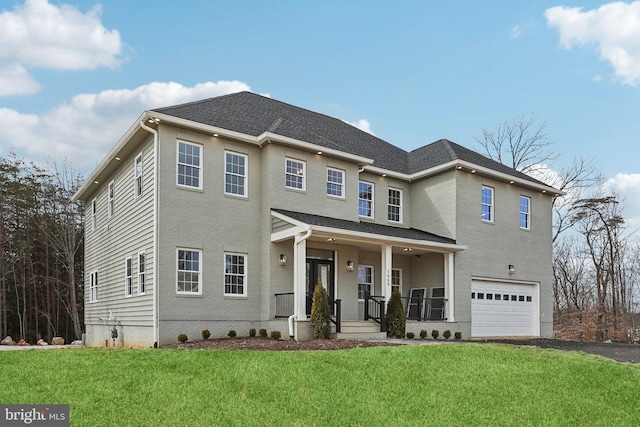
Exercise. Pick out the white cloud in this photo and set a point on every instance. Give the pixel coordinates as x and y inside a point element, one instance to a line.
<point>85,129</point>
<point>363,124</point>
<point>516,32</point>
<point>614,28</point>
<point>41,35</point>
<point>628,186</point>
<point>16,80</point>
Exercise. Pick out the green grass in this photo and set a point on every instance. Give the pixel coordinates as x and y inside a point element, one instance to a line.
<point>448,385</point>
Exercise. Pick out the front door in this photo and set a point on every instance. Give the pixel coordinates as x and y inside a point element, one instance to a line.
<point>319,271</point>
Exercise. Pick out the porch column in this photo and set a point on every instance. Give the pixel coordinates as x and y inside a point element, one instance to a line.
<point>449,285</point>
<point>386,265</point>
<point>299,278</point>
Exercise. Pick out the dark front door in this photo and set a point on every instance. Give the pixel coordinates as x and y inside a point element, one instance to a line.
<point>319,271</point>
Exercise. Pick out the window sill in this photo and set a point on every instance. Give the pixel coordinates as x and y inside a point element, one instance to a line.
<point>185,295</point>
<point>232,296</point>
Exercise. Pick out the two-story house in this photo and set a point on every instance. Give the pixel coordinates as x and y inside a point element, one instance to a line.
<point>225,213</point>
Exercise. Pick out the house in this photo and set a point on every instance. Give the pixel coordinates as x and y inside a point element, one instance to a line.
<point>225,213</point>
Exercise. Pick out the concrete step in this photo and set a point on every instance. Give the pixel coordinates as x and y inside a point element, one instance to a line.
<point>361,335</point>
<point>353,326</point>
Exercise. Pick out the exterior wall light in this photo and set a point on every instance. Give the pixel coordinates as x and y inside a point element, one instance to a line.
<point>283,260</point>
<point>349,265</point>
<point>512,269</point>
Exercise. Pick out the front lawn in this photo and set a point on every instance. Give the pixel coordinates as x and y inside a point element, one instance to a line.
<point>455,384</point>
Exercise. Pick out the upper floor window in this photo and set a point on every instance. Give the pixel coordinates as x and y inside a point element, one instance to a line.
<point>94,214</point>
<point>295,174</point>
<point>128,277</point>
<point>365,281</point>
<point>235,274</point>
<point>487,204</point>
<point>525,212</point>
<point>365,199</point>
<point>189,165</point>
<point>111,204</point>
<point>138,176</point>
<point>142,266</point>
<point>235,176</point>
<point>189,275</point>
<point>335,182</point>
<point>395,205</point>
<point>93,287</point>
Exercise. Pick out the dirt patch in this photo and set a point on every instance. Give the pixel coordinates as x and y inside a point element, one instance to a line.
<point>260,343</point>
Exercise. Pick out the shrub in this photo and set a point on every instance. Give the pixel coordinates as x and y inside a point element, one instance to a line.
<point>458,335</point>
<point>252,332</point>
<point>395,318</point>
<point>183,338</point>
<point>263,333</point>
<point>423,334</point>
<point>276,335</point>
<point>232,333</point>
<point>206,334</point>
<point>411,335</point>
<point>446,334</point>
<point>320,314</point>
<point>435,334</point>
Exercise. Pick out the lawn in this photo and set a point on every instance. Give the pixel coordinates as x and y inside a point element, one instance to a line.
<point>456,384</point>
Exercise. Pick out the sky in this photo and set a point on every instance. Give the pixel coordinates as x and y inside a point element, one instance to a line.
<point>75,75</point>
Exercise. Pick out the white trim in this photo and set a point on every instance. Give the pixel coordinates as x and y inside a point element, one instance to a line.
<point>304,174</point>
<point>373,198</point>
<point>128,277</point>
<point>245,186</point>
<point>244,275</point>
<point>528,213</point>
<point>111,199</point>
<point>199,271</point>
<point>341,184</point>
<point>373,281</point>
<point>400,210</point>
<point>93,286</point>
<point>200,166</point>
<point>137,176</point>
<point>492,211</point>
<point>94,214</point>
<point>399,270</point>
<point>142,276</point>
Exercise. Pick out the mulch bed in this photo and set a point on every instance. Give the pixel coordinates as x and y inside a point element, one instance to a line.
<point>261,343</point>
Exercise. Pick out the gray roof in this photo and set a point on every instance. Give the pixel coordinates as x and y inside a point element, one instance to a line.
<point>253,114</point>
<point>366,227</point>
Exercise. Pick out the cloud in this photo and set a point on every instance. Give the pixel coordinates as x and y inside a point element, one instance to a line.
<point>613,28</point>
<point>86,128</point>
<point>40,35</point>
<point>628,186</point>
<point>516,32</point>
<point>362,124</point>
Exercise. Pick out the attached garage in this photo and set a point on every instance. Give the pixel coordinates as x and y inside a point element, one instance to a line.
<point>502,309</point>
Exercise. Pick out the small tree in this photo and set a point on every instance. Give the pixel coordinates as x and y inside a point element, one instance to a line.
<point>395,318</point>
<point>320,314</point>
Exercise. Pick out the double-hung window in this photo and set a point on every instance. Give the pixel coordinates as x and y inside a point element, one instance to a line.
<point>235,274</point>
<point>235,176</point>
<point>396,280</point>
<point>365,199</point>
<point>295,174</point>
<point>93,287</point>
<point>335,182</point>
<point>365,281</point>
<point>111,204</point>
<point>128,275</point>
<point>142,268</point>
<point>189,165</point>
<point>189,277</point>
<point>525,212</point>
<point>138,176</point>
<point>395,205</point>
<point>94,214</point>
<point>487,204</point>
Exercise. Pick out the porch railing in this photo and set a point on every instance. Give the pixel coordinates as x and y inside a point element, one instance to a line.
<point>425,308</point>
<point>374,309</point>
<point>284,307</point>
<point>284,304</point>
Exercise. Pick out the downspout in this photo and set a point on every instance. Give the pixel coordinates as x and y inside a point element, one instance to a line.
<point>155,232</point>
<point>298,239</point>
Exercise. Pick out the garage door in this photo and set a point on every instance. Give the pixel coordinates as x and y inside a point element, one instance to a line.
<point>502,309</point>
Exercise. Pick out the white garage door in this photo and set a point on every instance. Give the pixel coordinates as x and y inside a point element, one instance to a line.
<point>502,309</point>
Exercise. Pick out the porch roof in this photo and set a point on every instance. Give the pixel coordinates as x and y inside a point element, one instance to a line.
<point>362,231</point>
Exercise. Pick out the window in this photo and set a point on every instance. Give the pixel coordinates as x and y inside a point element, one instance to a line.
<point>365,281</point>
<point>235,177</point>
<point>335,182</point>
<point>93,287</point>
<point>525,212</point>
<point>294,174</point>
<point>235,274</point>
<point>365,199</point>
<point>128,286</point>
<point>395,205</point>
<point>142,284</point>
<point>112,199</point>
<point>189,275</point>
<point>396,280</point>
<point>189,165</point>
<point>138,176</point>
<point>94,214</point>
<point>487,204</point>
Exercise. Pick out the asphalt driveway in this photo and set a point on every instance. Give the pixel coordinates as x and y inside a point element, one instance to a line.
<point>620,352</point>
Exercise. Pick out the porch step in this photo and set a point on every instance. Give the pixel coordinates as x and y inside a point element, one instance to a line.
<point>360,330</point>
<point>361,336</point>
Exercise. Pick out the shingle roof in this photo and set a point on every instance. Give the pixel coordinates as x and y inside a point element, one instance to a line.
<point>366,227</point>
<point>253,114</point>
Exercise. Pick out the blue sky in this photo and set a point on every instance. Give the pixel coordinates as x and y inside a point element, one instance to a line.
<point>75,75</point>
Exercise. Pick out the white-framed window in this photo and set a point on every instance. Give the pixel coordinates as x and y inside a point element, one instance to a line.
<point>189,273</point>
<point>128,277</point>
<point>396,280</point>
<point>295,172</point>
<point>137,172</point>
<point>189,165</point>
<point>487,204</point>
<point>395,205</point>
<point>335,182</point>
<point>94,214</point>
<point>93,287</point>
<point>235,176</point>
<point>365,280</point>
<point>111,203</point>
<point>142,270</point>
<point>235,274</point>
<point>365,199</point>
<point>525,212</point>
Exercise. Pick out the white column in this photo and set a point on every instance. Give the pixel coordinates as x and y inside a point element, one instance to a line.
<point>299,279</point>
<point>449,285</point>
<point>386,265</point>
